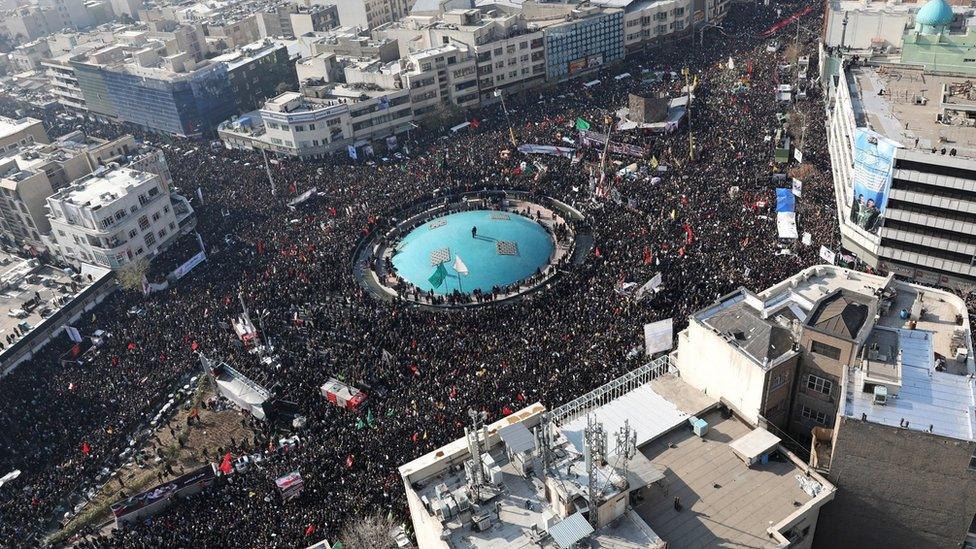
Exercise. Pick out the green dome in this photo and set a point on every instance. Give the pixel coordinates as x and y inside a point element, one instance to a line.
<point>935,13</point>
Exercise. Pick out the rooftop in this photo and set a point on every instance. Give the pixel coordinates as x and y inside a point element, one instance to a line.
<point>842,313</point>
<point>725,503</point>
<point>725,500</point>
<point>911,105</point>
<point>10,126</point>
<point>102,188</point>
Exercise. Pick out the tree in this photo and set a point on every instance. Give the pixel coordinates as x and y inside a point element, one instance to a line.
<point>372,532</point>
<point>792,53</point>
<point>130,277</point>
<point>802,172</point>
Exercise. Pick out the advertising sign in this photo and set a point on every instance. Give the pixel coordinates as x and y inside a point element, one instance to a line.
<point>874,160</point>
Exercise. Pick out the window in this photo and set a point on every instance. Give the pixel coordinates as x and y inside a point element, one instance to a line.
<point>153,191</point>
<point>165,209</point>
<point>162,233</point>
<point>172,226</point>
<point>156,216</point>
<point>311,127</point>
<point>819,384</point>
<point>143,223</point>
<point>108,222</point>
<point>133,233</point>
<point>823,349</point>
<point>814,415</point>
<point>150,239</point>
<point>299,128</point>
<point>119,215</point>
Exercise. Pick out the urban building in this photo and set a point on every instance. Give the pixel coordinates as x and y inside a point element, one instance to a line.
<point>28,57</point>
<point>324,119</point>
<point>45,299</point>
<point>23,132</point>
<point>595,39</point>
<point>873,376</point>
<point>258,71</point>
<point>644,461</point>
<point>173,93</point>
<point>351,42</point>
<point>22,215</point>
<point>114,217</point>
<point>370,14</point>
<point>904,171</point>
<point>440,78</point>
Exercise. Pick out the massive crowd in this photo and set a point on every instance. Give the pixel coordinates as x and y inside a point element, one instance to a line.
<point>693,226</point>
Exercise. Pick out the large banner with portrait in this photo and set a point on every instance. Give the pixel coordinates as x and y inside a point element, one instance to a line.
<point>874,161</point>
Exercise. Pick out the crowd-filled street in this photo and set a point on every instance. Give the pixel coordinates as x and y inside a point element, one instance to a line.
<point>708,225</point>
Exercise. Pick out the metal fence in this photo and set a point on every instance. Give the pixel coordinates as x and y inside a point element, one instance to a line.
<point>610,391</point>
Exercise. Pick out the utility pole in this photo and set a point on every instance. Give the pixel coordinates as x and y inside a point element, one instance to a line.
<point>508,120</point>
<point>691,140</point>
<point>267,168</point>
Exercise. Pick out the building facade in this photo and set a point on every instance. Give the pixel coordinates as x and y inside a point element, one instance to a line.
<point>114,217</point>
<point>581,45</point>
<point>370,14</point>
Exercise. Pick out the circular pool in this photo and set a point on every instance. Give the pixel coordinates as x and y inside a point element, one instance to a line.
<point>505,249</point>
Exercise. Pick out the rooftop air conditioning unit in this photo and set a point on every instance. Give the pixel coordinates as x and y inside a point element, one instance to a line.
<point>880,395</point>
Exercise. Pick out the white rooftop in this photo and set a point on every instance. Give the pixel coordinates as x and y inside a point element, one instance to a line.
<point>104,188</point>
<point>10,126</point>
<point>648,413</point>
<point>944,401</point>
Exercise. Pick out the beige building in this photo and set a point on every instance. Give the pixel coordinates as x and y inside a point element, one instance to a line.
<point>22,197</point>
<point>369,14</point>
<point>16,134</point>
<point>872,378</point>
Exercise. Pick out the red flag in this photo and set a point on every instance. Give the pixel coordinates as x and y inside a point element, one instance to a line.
<point>414,437</point>
<point>115,361</point>
<point>293,189</point>
<point>475,123</point>
<point>85,448</point>
<point>681,251</point>
<point>225,466</point>
<point>260,246</point>
<point>309,530</point>
<point>597,252</point>
<point>647,256</point>
<point>453,392</point>
<point>520,397</point>
<point>506,411</point>
<point>75,350</point>
<point>349,461</point>
<point>131,346</point>
<point>194,346</point>
<point>689,234</point>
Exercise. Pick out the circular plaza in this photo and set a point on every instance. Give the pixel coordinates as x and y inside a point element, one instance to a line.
<point>468,250</point>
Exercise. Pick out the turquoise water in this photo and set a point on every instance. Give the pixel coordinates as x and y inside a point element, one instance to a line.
<point>487,268</point>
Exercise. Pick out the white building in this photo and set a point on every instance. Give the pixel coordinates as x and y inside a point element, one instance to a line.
<point>903,140</point>
<point>114,217</point>
<point>369,14</point>
<point>17,134</point>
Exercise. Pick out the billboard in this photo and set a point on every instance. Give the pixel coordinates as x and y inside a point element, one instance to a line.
<point>874,161</point>
<point>658,336</point>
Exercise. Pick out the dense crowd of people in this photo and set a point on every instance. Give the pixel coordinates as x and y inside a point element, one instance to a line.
<point>707,225</point>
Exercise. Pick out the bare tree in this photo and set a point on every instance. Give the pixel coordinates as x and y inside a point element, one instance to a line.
<point>792,53</point>
<point>802,172</point>
<point>130,277</point>
<point>372,532</point>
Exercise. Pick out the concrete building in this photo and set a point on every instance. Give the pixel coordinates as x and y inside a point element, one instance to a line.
<point>325,119</point>
<point>874,374</point>
<point>16,134</point>
<point>23,192</point>
<point>370,14</point>
<point>679,469</point>
<point>64,82</point>
<point>258,71</point>
<point>440,78</point>
<point>114,217</point>
<point>28,57</point>
<point>46,299</point>
<point>905,171</point>
<point>351,42</point>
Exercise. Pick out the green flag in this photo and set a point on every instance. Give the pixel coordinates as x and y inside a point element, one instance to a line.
<point>369,418</point>
<point>582,124</point>
<point>438,277</point>
<point>360,424</point>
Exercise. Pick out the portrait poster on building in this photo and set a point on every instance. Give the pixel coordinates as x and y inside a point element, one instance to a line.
<point>874,160</point>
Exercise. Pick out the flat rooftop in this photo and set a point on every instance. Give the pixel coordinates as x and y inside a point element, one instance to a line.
<point>724,502</point>
<point>898,116</point>
<point>104,188</point>
<point>938,402</point>
<point>10,126</point>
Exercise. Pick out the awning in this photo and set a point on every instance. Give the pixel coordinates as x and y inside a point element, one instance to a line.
<point>570,531</point>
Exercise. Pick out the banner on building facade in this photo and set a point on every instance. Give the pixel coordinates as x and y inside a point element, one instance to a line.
<point>874,161</point>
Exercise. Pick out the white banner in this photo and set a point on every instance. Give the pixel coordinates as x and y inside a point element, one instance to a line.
<point>658,336</point>
<point>807,239</point>
<point>798,154</point>
<point>185,268</point>
<point>351,150</point>
<point>797,187</point>
<point>828,255</point>
<point>73,334</point>
<point>302,197</point>
<point>786,224</point>
<point>648,286</point>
